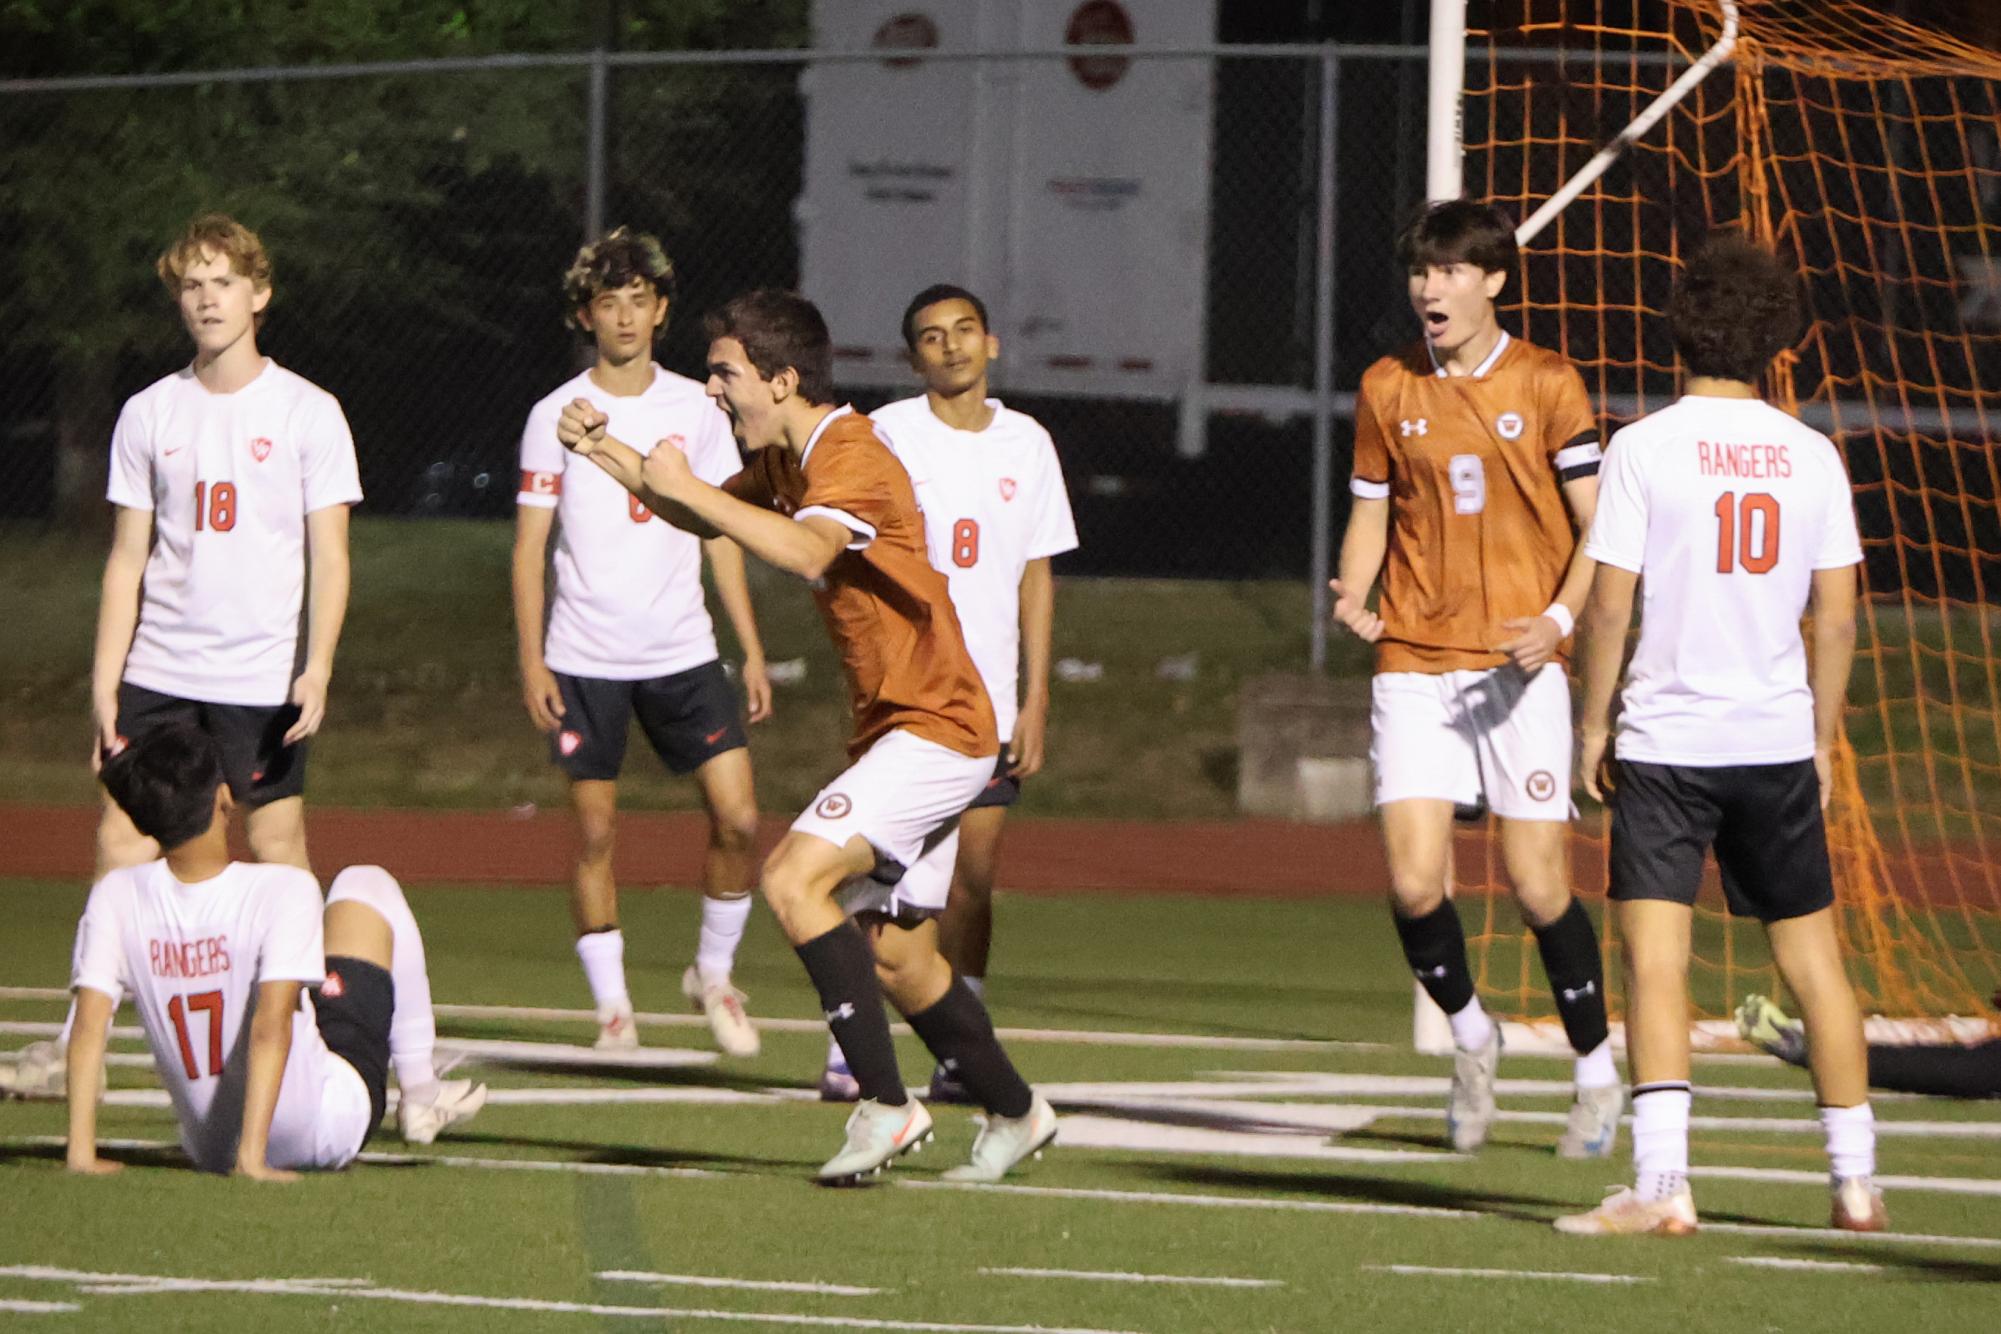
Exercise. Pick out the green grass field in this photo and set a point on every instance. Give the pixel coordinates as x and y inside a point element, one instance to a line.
<point>1195,1161</point>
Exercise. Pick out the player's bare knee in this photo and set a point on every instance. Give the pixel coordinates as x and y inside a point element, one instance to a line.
<point>595,843</point>
<point>788,885</point>
<point>277,838</point>
<point>1417,893</point>
<point>356,929</point>
<point>1542,904</point>
<point>733,831</point>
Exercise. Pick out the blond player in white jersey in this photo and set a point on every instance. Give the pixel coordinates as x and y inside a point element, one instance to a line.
<point>995,510</point>
<point>1739,519</point>
<point>628,632</point>
<point>226,476</point>
<point>272,1029</point>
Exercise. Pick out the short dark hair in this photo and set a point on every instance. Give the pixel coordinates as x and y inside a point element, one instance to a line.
<point>931,296</point>
<point>166,782</point>
<point>1458,231</point>
<point>780,329</point>
<point>1735,306</point>
<point>612,262</point>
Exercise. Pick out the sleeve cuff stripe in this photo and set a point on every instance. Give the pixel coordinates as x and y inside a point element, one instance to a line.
<point>1576,471</point>
<point>1582,438</point>
<point>864,532</point>
<point>1368,490</point>
<point>534,501</point>
<point>1573,454</point>
<point>1615,559</point>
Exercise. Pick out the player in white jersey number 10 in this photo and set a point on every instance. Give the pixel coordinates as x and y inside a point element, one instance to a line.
<point>273,1027</point>
<point>995,511</point>
<point>1739,518</point>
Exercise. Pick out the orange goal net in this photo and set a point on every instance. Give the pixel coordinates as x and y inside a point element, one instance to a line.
<point>1866,147</point>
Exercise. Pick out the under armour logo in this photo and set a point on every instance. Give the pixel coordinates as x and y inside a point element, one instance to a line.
<point>845,1010</point>
<point>1418,427</point>
<point>1570,994</point>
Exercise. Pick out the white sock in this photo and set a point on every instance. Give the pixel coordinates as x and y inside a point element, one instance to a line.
<point>1471,1028</point>
<point>723,921</point>
<point>836,1058</point>
<point>602,954</point>
<point>1851,1140</point>
<point>413,1028</point>
<point>1596,1069</point>
<point>1660,1138</point>
<point>976,985</point>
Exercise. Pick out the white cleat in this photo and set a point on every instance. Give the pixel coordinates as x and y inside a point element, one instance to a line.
<point>1625,1214</point>
<point>877,1135</point>
<point>39,1072</point>
<point>458,1101</point>
<point>1858,1206</point>
<point>838,1084</point>
<point>1593,1130</point>
<point>616,1029</point>
<point>723,1004</point>
<point>1469,1113</point>
<point>1005,1142</point>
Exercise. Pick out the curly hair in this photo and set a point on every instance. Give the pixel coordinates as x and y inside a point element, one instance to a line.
<point>1734,308</point>
<point>613,261</point>
<point>780,329</point>
<point>215,234</point>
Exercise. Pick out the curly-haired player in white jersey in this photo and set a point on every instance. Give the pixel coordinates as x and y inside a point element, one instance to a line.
<point>628,632</point>
<point>226,476</point>
<point>995,511</point>
<point>273,1020</point>
<point>1739,518</point>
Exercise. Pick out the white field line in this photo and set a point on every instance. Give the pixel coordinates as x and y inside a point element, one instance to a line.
<point>126,1284</point>
<point>490,1051</point>
<point>744,1284</point>
<point>1114,1276</point>
<point>33,1029</point>
<point>19,1307</point>
<point>1108,1132</point>
<point>1842,1234</point>
<point>543,1165</point>
<point>1795,1177</point>
<point>1276,1085</point>
<point>1196,1201</point>
<point>1809,1266</point>
<point>1439,1271</point>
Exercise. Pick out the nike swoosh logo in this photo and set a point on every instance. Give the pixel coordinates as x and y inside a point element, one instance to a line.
<point>903,1133</point>
<point>715,736</point>
<point>171,452</point>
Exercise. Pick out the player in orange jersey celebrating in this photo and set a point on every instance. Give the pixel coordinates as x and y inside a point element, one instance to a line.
<point>1476,460</point>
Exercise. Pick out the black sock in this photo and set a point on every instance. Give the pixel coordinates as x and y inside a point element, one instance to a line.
<point>961,1036</point>
<point>1576,970</point>
<point>843,970</point>
<point>1435,947</point>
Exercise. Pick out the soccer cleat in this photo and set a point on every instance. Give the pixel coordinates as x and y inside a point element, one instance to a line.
<point>457,1100</point>
<point>1594,1123</point>
<point>39,1072</point>
<point>946,1088</point>
<point>1469,1113</point>
<point>1858,1206</point>
<point>616,1029</point>
<point>838,1084</point>
<point>1765,1026</point>
<point>1624,1214</point>
<point>1005,1142</point>
<point>723,1004</point>
<point>877,1135</point>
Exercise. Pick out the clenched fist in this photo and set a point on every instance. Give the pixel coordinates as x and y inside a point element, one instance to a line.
<point>581,427</point>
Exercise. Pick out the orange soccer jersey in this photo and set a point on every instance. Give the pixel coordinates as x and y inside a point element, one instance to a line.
<point>888,609</point>
<point>1473,468</point>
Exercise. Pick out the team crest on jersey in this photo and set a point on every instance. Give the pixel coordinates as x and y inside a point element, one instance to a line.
<point>569,741</point>
<point>1510,425</point>
<point>1541,786</point>
<point>833,806</point>
<point>333,988</point>
<point>1007,488</point>
<point>260,449</point>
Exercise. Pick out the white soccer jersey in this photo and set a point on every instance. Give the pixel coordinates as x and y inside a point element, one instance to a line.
<point>229,479</point>
<point>192,957</point>
<point>628,602</point>
<point>993,501</point>
<point>1725,507</point>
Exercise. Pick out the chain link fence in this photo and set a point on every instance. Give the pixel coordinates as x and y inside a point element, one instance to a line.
<point>421,217</point>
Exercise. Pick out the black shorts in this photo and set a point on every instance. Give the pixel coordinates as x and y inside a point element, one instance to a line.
<point>1002,790</point>
<point>1763,820</point>
<point>258,765</point>
<point>354,1006</point>
<point>690,717</point>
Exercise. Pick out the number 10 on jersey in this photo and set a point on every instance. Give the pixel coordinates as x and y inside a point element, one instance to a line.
<point>1747,532</point>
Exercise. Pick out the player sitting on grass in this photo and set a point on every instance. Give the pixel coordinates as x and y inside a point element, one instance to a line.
<point>628,633</point>
<point>1934,1069</point>
<point>1474,454</point>
<point>1739,518</point>
<point>995,511</point>
<point>273,1022</point>
<point>824,498</point>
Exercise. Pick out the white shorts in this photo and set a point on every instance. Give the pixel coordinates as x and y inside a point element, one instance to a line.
<point>905,797</point>
<point>1461,736</point>
<point>321,1119</point>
